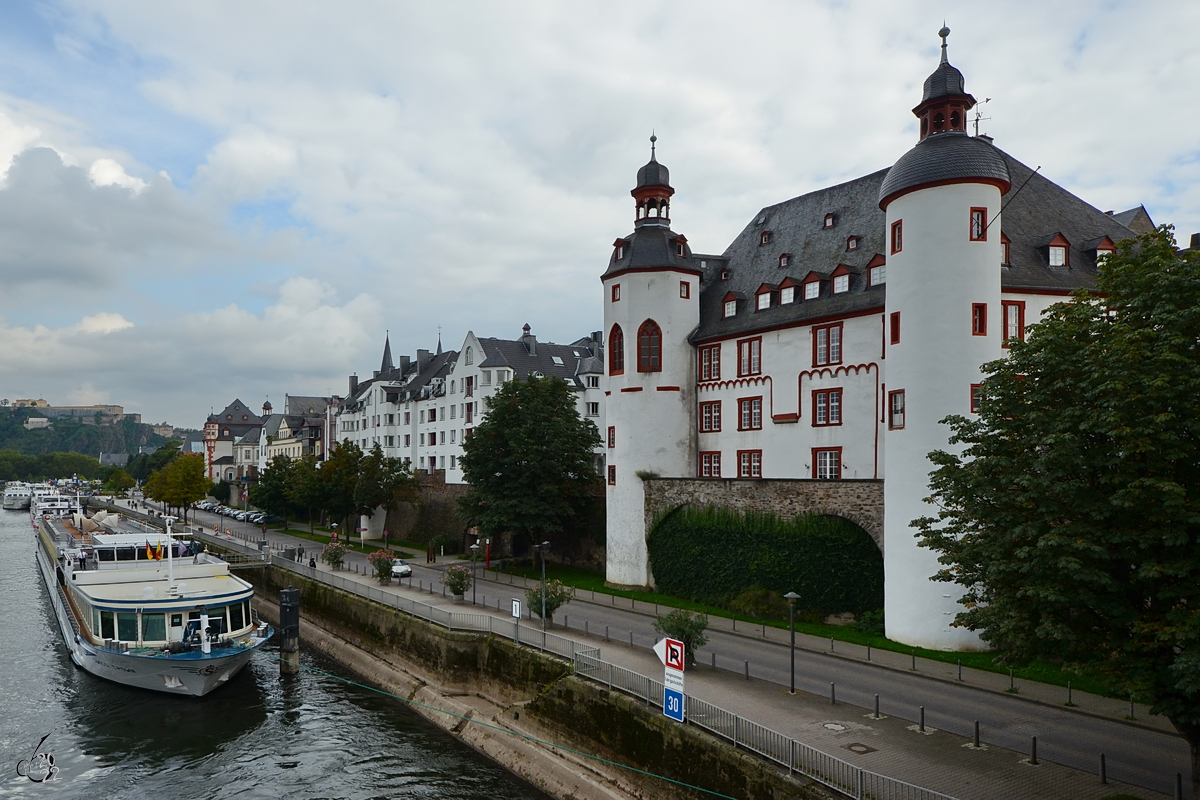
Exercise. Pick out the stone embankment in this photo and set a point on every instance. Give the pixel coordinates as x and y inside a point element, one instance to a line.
<point>505,701</point>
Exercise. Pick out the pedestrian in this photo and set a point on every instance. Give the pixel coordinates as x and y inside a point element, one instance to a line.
<point>301,552</point>
<point>312,563</point>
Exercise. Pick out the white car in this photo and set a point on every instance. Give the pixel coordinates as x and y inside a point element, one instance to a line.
<point>401,569</point>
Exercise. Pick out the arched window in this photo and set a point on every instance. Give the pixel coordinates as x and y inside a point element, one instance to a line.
<point>470,356</point>
<point>649,347</point>
<point>616,351</point>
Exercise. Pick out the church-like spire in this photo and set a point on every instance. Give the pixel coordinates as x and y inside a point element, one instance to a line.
<point>652,194</point>
<point>944,99</point>
<point>388,365</point>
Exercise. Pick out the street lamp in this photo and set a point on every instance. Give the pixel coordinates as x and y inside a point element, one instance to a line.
<point>333,532</point>
<point>544,546</point>
<point>474,560</point>
<point>792,597</point>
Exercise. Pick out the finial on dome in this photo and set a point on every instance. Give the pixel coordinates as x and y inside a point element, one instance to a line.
<point>945,34</point>
<point>653,139</point>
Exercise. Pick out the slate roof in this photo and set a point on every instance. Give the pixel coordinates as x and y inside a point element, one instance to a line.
<point>653,174</point>
<point>526,355</point>
<point>945,80</point>
<point>234,421</point>
<point>306,405</point>
<point>651,245</point>
<point>1034,209</point>
<point>1136,219</point>
<point>948,156</point>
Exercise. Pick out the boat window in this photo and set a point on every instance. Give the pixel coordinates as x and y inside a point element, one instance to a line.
<point>236,621</point>
<point>127,627</point>
<point>107,554</point>
<point>107,630</point>
<point>126,553</point>
<point>154,627</point>
<point>177,620</point>
<point>216,620</point>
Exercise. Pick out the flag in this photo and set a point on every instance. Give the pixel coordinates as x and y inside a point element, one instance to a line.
<point>149,552</point>
<point>158,552</point>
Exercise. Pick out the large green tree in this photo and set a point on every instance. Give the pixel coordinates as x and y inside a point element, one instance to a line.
<point>271,491</point>
<point>339,473</point>
<point>1071,513</point>
<point>180,483</point>
<point>529,464</point>
<point>304,488</point>
<point>382,482</point>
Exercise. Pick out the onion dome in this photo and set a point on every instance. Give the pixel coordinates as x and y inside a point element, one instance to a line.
<point>652,194</point>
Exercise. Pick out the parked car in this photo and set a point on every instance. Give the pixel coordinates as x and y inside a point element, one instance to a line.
<point>401,569</point>
<point>271,520</point>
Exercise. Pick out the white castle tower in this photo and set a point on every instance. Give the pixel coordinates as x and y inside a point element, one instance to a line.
<point>943,320</point>
<point>651,305</point>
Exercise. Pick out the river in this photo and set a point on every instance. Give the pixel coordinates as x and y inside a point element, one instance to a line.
<point>312,736</point>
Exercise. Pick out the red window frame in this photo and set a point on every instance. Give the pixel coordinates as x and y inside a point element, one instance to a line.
<point>823,336</point>
<point>612,435</point>
<point>612,475</point>
<point>894,327</point>
<point>897,236</point>
<point>749,356</point>
<point>710,464</point>
<point>979,319</point>
<point>649,347</point>
<point>749,463</point>
<point>896,410</point>
<point>851,243</point>
<point>470,413</point>
<point>976,397</point>
<point>978,225</point>
<point>685,290</point>
<point>827,407</point>
<point>816,458</point>
<point>616,292</point>
<point>710,416</point>
<point>616,351</point>
<point>748,409</point>
<point>1008,308</point>
<point>710,362</point>
<point>1004,247</point>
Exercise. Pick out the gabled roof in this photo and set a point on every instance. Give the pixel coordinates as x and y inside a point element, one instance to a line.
<point>524,359</point>
<point>308,405</point>
<point>1136,219</point>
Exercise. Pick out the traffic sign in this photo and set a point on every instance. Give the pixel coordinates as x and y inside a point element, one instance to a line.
<point>670,653</point>
<point>516,608</point>
<point>673,704</point>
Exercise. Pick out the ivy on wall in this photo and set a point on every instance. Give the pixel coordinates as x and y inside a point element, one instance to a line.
<point>751,559</point>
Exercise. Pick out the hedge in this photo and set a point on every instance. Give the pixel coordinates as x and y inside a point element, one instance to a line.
<point>747,561</point>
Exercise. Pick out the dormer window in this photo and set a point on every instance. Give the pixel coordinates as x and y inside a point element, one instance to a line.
<point>1058,256</point>
<point>878,275</point>
<point>841,283</point>
<point>812,288</point>
<point>679,249</point>
<point>764,300</point>
<point>830,220</point>
<point>1103,251</point>
<point>619,249</point>
<point>724,274</point>
<point>730,308</point>
<point>785,260</point>
<point>764,238</point>
<point>851,243</point>
<point>787,292</point>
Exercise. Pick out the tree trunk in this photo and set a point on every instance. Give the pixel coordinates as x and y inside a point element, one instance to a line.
<point>1191,734</point>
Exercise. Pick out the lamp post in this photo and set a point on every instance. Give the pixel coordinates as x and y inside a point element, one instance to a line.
<point>792,597</point>
<point>544,546</point>
<point>333,532</point>
<point>474,561</point>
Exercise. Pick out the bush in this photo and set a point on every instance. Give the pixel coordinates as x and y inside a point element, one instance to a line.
<point>762,603</point>
<point>381,562</point>
<point>721,557</point>
<point>457,578</point>
<point>334,554</point>
<point>557,595</point>
<point>687,627</point>
<point>870,622</point>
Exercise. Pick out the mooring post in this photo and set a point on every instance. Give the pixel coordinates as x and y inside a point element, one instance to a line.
<point>876,706</point>
<point>922,723</point>
<point>976,734</point>
<point>289,631</point>
<point>1103,770</point>
<point>1033,752</point>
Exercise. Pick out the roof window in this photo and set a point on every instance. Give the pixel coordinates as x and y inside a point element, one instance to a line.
<point>830,220</point>
<point>724,274</point>
<point>851,243</point>
<point>557,360</point>
<point>785,260</point>
<point>764,238</point>
<point>730,308</point>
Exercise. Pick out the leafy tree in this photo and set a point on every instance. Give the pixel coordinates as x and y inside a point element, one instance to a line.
<point>558,594</point>
<point>119,482</point>
<point>688,628</point>
<point>339,473</point>
<point>382,482</point>
<point>529,463</point>
<point>304,488</point>
<point>180,483</point>
<point>271,491</point>
<point>1072,514</point>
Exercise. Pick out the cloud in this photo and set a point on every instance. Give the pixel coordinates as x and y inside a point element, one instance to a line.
<point>107,172</point>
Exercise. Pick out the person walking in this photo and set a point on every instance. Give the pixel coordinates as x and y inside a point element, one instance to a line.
<point>301,554</point>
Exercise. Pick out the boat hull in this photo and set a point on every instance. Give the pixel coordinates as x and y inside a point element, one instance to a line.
<point>194,673</point>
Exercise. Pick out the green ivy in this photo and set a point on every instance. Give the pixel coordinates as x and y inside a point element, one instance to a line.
<point>727,558</point>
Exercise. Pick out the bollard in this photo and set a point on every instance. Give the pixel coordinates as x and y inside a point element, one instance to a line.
<point>1103,770</point>
<point>606,633</point>
<point>1033,752</point>
<point>764,630</point>
<point>876,706</point>
<point>1012,686</point>
<point>1069,694</point>
<point>977,734</point>
<point>631,638</point>
<point>914,656</point>
<point>960,669</point>
<point>922,722</point>
<point>832,694</point>
<point>566,622</point>
<point>868,652</point>
<point>1178,786</point>
<point>747,670</point>
<point>585,627</point>
<point>1131,716</point>
<point>735,624</point>
<point>831,644</point>
<point>714,659</point>
<point>289,631</point>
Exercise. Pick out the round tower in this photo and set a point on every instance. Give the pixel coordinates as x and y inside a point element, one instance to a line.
<point>651,305</point>
<point>943,320</point>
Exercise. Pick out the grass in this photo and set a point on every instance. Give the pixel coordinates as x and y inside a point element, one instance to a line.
<point>1039,671</point>
<point>322,536</point>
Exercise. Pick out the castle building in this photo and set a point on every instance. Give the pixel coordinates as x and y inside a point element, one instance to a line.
<point>831,336</point>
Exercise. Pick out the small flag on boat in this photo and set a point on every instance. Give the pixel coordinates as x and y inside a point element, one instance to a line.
<point>149,552</point>
<point>158,552</point>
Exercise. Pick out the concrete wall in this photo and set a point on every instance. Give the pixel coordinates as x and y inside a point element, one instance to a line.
<point>860,501</point>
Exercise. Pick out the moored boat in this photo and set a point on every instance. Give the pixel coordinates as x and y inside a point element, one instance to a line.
<point>16,495</point>
<point>140,607</point>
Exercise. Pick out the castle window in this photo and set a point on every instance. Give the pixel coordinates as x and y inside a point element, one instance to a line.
<point>812,289</point>
<point>851,243</point>
<point>612,436</point>
<point>1014,320</point>
<point>710,465</point>
<point>787,294</point>
<point>730,308</point>
<point>612,475</point>
<point>841,283</point>
<point>827,463</point>
<point>1101,252</point>
<point>750,357</point>
<point>679,249</point>
<point>593,409</point>
<point>764,300</point>
<point>470,356</point>
<point>593,381</point>
<point>749,463</point>
<point>978,224</point>
<point>827,345</point>
<point>877,275</point>
<point>1005,255</point>
<point>649,351</point>
<point>827,407</point>
<point>976,397</point>
<point>616,351</point>
<point>764,238</point>
<point>724,274</point>
<point>979,319</point>
<point>784,260</point>
<point>616,295</point>
<point>830,219</point>
<point>897,236</point>
<point>894,327</point>
<point>1058,256</point>
<point>750,414</point>
<point>896,409</point>
<point>710,362</point>
<point>710,416</point>
<point>685,290</point>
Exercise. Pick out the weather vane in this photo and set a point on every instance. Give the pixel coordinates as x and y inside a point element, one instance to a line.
<point>979,114</point>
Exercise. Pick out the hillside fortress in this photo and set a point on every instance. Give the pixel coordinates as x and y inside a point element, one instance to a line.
<point>833,334</point>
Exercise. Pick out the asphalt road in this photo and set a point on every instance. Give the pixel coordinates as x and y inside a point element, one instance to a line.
<point>1134,754</point>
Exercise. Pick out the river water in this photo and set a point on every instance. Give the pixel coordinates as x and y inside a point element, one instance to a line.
<point>312,736</point>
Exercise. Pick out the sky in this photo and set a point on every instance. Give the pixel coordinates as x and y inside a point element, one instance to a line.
<point>208,201</point>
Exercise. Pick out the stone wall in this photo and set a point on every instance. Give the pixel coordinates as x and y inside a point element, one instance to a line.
<point>859,501</point>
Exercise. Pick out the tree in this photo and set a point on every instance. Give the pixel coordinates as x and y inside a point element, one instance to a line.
<point>304,488</point>
<point>688,628</point>
<point>529,463</point>
<point>558,594</point>
<point>339,473</point>
<point>382,482</point>
<point>119,482</point>
<point>270,493</point>
<point>1072,514</point>
<point>180,483</point>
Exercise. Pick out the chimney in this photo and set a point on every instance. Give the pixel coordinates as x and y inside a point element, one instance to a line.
<point>597,343</point>
<point>404,362</point>
<point>353,385</point>
<point>1195,245</point>
<point>422,359</point>
<point>529,340</point>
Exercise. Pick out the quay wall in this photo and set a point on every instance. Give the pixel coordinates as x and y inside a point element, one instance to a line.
<point>520,694</point>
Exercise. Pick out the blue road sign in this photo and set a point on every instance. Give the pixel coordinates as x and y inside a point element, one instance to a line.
<point>673,704</point>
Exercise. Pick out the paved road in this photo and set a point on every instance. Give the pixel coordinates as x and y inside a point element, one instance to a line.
<point>1135,754</point>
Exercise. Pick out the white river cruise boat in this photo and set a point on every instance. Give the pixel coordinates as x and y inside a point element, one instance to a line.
<point>143,608</point>
<point>16,495</point>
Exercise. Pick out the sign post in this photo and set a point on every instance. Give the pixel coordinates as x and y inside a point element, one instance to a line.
<point>516,613</point>
<point>671,653</point>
